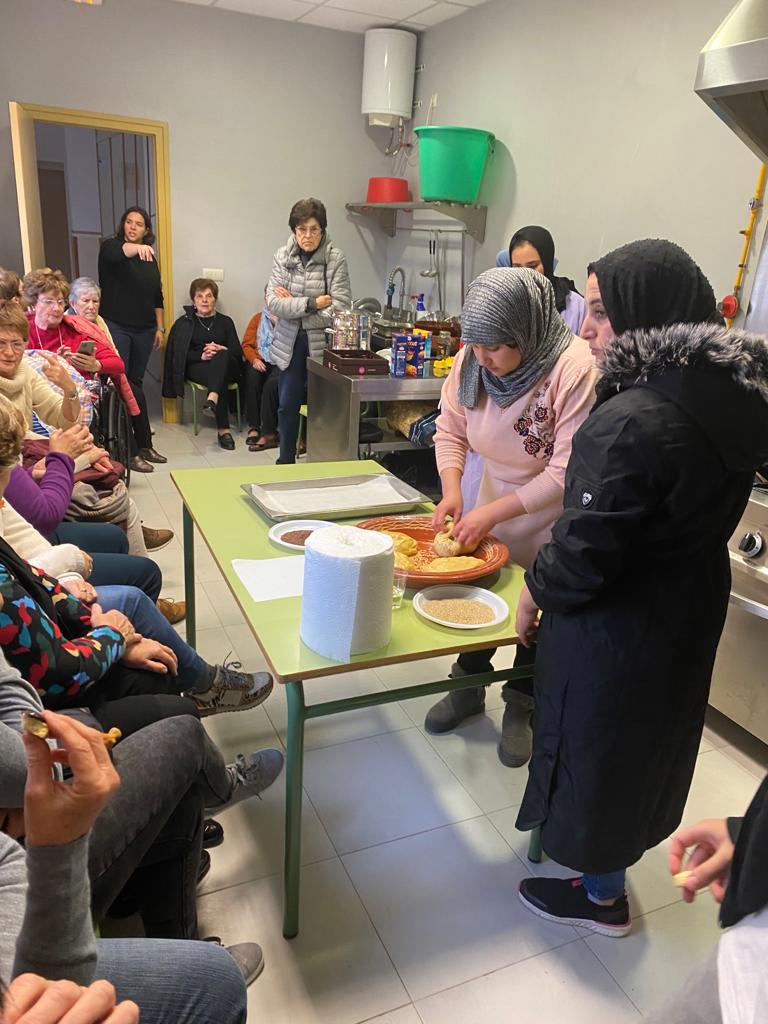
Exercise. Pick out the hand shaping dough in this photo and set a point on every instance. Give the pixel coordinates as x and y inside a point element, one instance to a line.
<point>445,545</point>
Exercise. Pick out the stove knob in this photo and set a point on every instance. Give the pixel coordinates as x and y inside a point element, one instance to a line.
<point>751,544</point>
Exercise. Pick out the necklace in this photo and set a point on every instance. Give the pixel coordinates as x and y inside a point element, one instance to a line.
<point>207,327</point>
<point>37,335</point>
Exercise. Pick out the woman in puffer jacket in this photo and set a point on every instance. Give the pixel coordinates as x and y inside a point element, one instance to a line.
<point>309,280</point>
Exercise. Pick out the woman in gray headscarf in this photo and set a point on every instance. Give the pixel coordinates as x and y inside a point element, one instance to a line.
<point>518,391</point>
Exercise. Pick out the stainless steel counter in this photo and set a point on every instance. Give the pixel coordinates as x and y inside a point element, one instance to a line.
<point>334,402</point>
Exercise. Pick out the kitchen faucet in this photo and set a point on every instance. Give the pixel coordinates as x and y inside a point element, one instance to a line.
<point>391,287</point>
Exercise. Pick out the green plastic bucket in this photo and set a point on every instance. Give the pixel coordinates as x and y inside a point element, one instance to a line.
<point>452,162</point>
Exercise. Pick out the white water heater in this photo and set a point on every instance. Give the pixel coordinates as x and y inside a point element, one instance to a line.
<point>389,66</point>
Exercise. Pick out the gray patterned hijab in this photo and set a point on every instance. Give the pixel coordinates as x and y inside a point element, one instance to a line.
<point>510,307</point>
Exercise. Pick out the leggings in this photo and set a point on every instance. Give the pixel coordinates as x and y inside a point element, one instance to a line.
<point>261,398</point>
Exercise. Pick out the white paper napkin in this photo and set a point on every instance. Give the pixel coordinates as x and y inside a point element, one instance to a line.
<point>267,579</point>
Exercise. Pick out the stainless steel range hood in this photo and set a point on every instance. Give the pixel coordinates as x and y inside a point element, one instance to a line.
<point>732,76</point>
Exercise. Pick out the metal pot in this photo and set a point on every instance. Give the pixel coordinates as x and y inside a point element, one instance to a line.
<point>351,329</point>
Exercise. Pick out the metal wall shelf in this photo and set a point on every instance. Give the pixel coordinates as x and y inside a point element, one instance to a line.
<point>385,214</point>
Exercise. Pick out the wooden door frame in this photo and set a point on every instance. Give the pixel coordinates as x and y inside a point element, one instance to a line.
<point>158,130</point>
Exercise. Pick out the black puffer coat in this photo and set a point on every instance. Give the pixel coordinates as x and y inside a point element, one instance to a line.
<point>634,587</point>
<point>177,348</point>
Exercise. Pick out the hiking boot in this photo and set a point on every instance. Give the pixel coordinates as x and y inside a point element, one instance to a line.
<point>253,774</point>
<point>232,690</point>
<point>565,901</point>
<point>173,611</point>
<point>156,539</point>
<point>454,707</point>
<point>516,740</point>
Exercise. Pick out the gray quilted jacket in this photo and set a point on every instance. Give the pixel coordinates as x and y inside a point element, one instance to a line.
<point>325,274</point>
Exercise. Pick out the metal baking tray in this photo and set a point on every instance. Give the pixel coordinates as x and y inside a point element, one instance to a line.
<point>263,496</point>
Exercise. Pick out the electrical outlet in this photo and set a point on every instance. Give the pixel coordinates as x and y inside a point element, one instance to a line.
<point>214,273</point>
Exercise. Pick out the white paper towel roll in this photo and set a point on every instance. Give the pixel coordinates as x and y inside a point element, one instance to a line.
<point>347,604</point>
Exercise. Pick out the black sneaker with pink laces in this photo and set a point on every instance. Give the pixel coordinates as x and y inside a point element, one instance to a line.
<point>565,901</point>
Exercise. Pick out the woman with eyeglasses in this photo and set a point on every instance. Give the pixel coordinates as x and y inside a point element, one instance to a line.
<point>309,279</point>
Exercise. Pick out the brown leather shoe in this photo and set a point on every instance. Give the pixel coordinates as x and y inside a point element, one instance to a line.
<point>174,611</point>
<point>139,465</point>
<point>156,539</point>
<point>150,455</point>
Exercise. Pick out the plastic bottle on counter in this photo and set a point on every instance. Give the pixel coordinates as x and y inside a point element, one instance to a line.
<point>421,309</point>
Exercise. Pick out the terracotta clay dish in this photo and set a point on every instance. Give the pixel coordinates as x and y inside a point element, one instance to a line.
<point>493,553</point>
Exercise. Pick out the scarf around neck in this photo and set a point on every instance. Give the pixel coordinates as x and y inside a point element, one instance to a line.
<point>510,307</point>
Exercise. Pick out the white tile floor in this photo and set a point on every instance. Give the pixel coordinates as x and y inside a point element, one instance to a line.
<point>409,906</point>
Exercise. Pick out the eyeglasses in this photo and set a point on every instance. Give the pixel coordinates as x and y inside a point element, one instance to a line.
<point>14,346</point>
<point>50,303</point>
<point>309,232</point>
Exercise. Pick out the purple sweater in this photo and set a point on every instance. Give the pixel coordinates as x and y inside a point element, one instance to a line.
<point>43,503</point>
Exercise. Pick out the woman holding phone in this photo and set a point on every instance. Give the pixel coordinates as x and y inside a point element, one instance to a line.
<point>71,337</point>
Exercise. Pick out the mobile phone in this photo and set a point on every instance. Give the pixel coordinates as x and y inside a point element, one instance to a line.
<point>87,347</point>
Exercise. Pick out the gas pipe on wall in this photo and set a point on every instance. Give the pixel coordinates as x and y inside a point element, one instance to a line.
<point>729,306</point>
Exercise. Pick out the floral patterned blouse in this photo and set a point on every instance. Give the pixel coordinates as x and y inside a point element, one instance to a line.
<point>61,657</point>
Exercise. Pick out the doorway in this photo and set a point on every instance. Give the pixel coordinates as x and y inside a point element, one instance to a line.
<point>144,172</point>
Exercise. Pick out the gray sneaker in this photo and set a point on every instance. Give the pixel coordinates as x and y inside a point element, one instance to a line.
<point>233,690</point>
<point>249,958</point>
<point>247,955</point>
<point>253,774</point>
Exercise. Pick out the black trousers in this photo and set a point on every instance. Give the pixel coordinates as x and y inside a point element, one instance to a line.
<point>217,374</point>
<point>480,661</point>
<point>130,698</point>
<point>135,346</point>
<point>261,397</point>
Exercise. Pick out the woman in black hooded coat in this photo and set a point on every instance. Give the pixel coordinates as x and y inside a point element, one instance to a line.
<point>634,583</point>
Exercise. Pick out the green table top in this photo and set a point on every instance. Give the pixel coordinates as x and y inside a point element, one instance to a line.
<point>232,527</point>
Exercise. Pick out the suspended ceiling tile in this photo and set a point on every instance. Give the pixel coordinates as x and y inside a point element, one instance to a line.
<point>344,21</point>
<point>288,10</point>
<point>439,12</point>
<point>391,9</point>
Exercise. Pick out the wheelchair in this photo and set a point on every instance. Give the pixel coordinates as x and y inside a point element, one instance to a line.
<point>111,426</point>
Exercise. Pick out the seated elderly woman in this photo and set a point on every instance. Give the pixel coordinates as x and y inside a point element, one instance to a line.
<point>148,835</point>
<point>10,285</point>
<point>203,347</point>
<point>260,381</point>
<point>30,393</point>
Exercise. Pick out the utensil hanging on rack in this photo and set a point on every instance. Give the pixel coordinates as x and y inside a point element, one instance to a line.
<point>431,272</point>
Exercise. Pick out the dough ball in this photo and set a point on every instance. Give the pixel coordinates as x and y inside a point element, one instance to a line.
<point>445,545</point>
<point>453,563</point>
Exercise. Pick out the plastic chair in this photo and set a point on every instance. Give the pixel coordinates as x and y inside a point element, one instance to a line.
<point>194,388</point>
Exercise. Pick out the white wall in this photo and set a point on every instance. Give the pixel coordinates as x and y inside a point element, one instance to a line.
<point>600,135</point>
<point>261,113</point>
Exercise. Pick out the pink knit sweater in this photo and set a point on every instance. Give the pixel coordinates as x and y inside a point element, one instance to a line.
<point>526,446</point>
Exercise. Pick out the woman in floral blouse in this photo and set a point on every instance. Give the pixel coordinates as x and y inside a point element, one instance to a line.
<point>518,391</point>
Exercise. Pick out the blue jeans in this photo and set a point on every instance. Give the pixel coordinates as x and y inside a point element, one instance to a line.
<point>174,982</point>
<point>292,384</point>
<point>148,621</point>
<point>108,546</point>
<point>608,886</point>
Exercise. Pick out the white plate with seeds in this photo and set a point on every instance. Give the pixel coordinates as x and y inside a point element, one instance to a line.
<point>461,607</point>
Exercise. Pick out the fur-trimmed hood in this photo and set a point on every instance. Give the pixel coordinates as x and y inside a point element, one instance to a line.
<point>718,376</point>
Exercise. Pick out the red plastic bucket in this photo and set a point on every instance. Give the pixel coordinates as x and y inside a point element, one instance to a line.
<point>387,190</point>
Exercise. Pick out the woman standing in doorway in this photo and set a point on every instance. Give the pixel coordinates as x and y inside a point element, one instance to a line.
<point>132,305</point>
<point>309,279</point>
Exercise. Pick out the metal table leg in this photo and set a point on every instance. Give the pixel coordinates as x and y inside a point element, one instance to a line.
<point>294,772</point>
<point>189,574</point>
<point>534,845</point>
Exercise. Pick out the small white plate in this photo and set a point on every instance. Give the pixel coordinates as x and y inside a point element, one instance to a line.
<point>276,532</point>
<point>442,593</point>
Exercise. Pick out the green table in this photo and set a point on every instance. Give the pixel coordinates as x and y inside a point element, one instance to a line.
<point>232,527</point>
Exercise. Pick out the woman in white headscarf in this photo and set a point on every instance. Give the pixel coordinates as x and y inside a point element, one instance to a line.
<point>517,393</point>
